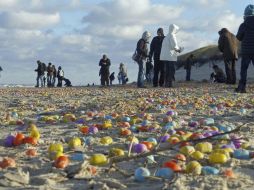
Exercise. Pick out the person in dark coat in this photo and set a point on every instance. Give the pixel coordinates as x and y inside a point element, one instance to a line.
<point>188,64</point>
<point>40,74</point>
<point>218,75</point>
<point>227,44</point>
<point>246,36</point>
<point>155,51</point>
<point>142,52</point>
<point>104,71</point>
<point>112,78</point>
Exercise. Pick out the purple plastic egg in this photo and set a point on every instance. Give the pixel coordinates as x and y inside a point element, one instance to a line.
<point>140,148</point>
<point>170,113</point>
<point>164,138</point>
<point>93,130</point>
<point>9,141</point>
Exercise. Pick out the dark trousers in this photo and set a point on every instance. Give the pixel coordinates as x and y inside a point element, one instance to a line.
<point>60,81</point>
<point>246,60</point>
<point>140,81</point>
<point>169,73</point>
<point>188,74</point>
<point>230,71</point>
<point>158,71</point>
<point>105,79</point>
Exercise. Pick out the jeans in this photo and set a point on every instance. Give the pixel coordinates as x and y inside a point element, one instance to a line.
<point>169,73</point>
<point>158,71</point>
<point>49,80</point>
<point>140,82</point>
<point>39,78</point>
<point>230,71</point>
<point>188,74</point>
<point>246,60</point>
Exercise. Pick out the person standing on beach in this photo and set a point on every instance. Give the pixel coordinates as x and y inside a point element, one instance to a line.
<point>142,54</point>
<point>104,71</point>
<point>40,72</point>
<point>54,76</point>
<point>246,36</point>
<point>112,78</point>
<point>60,76</point>
<point>227,44</point>
<point>44,75</point>
<point>155,51</point>
<point>50,71</point>
<point>122,73</point>
<point>169,51</point>
<point>188,64</point>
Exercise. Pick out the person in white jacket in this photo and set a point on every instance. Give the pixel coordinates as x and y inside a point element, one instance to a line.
<point>169,51</point>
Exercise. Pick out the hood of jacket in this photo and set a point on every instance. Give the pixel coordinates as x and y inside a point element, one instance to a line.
<point>249,22</point>
<point>146,36</point>
<point>173,29</point>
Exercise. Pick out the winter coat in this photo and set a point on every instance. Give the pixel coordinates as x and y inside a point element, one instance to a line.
<point>155,47</point>
<point>227,44</point>
<point>40,70</point>
<point>169,45</point>
<point>246,36</point>
<point>189,63</point>
<point>142,49</point>
<point>105,64</point>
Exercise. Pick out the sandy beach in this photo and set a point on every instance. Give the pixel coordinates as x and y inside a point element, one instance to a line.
<point>61,114</point>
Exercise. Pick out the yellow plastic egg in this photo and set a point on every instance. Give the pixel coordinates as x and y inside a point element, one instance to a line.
<point>197,155</point>
<point>218,158</point>
<point>133,139</point>
<point>194,167</point>
<point>245,145</point>
<point>57,147</point>
<point>116,152</point>
<point>223,151</point>
<point>187,150</point>
<point>35,133</point>
<point>107,125</point>
<point>75,142</point>
<point>204,147</point>
<point>55,154</point>
<point>106,140</point>
<point>98,160</point>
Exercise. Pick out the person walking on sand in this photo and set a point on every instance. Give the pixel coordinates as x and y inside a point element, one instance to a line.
<point>227,44</point>
<point>40,74</point>
<point>187,66</point>
<point>169,51</point>
<point>155,51</point>
<point>142,55</point>
<point>60,76</point>
<point>112,78</point>
<point>245,34</point>
<point>104,71</point>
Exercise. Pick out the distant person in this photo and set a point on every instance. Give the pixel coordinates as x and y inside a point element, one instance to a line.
<point>169,52</point>
<point>104,71</point>
<point>0,70</point>
<point>54,76</point>
<point>112,78</point>
<point>187,66</point>
<point>149,71</point>
<point>155,51</point>
<point>218,75</point>
<point>44,78</point>
<point>142,54</point>
<point>40,74</point>
<point>228,46</point>
<point>60,76</point>
<point>67,82</point>
<point>246,36</point>
<point>50,71</point>
<point>122,73</point>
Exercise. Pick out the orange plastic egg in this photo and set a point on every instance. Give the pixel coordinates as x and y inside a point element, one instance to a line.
<point>30,140</point>
<point>180,157</point>
<point>125,132</point>
<point>31,152</point>
<point>8,162</point>
<point>84,130</point>
<point>149,145</point>
<point>62,162</point>
<point>172,165</point>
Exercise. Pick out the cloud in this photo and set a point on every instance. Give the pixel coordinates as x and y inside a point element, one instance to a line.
<point>26,20</point>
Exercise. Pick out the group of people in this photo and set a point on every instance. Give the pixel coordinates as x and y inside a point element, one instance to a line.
<point>164,51</point>
<point>47,74</point>
<point>106,77</point>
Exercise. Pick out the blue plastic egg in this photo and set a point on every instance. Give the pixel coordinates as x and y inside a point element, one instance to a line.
<point>164,173</point>
<point>141,173</point>
<point>208,170</point>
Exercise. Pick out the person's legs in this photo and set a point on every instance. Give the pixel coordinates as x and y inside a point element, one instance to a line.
<point>37,80</point>
<point>243,74</point>
<point>168,74</point>
<point>107,79</point>
<point>228,71</point>
<point>140,81</point>
<point>171,73</point>
<point>233,72</point>
<point>156,72</point>
<point>188,73</point>
<point>162,73</point>
<point>102,80</point>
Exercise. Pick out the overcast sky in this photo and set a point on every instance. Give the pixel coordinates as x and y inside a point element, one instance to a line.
<point>75,33</point>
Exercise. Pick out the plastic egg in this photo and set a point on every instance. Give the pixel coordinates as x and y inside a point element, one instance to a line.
<point>172,165</point>
<point>187,150</point>
<point>62,162</point>
<point>140,148</point>
<point>164,138</point>
<point>93,130</point>
<point>208,170</point>
<point>98,160</point>
<point>141,174</point>
<point>9,141</point>
<point>180,157</point>
<point>164,173</point>
<point>35,133</point>
<point>152,140</point>
<point>193,167</point>
<point>55,154</point>
<point>116,152</point>
<point>218,158</point>
<point>106,140</point>
<point>75,142</point>
<point>197,155</point>
<point>132,139</point>
<point>55,147</point>
<point>204,147</point>
<point>241,154</point>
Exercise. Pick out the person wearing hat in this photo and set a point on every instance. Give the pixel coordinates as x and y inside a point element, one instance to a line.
<point>155,51</point>
<point>245,34</point>
<point>142,52</point>
<point>227,44</point>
